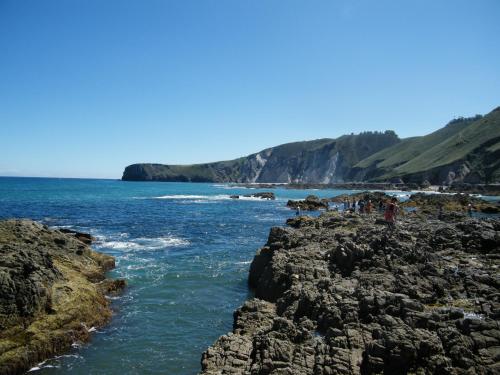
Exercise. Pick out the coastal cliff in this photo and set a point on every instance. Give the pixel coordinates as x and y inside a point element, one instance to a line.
<point>466,150</point>
<point>52,292</point>
<point>342,294</point>
<point>322,160</point>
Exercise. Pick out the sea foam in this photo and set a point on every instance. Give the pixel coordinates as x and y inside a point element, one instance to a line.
<point>201,198</point>
<point>143,243</point>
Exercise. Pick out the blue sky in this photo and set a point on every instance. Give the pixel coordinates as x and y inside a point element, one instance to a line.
<point>90,86</point>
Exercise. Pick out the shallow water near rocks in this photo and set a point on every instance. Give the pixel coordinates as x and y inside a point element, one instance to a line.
<point>185,250</point>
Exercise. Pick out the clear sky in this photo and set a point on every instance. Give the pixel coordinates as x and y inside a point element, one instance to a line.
<point>90,86</point>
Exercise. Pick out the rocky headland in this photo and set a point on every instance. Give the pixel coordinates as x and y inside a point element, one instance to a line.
<point>344,294</point>
<point>52,292</point>
<point>464,151</point>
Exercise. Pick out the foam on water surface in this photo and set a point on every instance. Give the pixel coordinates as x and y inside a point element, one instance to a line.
<point>142,243</point>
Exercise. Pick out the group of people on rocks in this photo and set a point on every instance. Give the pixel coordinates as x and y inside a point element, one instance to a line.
<point>366,206</point>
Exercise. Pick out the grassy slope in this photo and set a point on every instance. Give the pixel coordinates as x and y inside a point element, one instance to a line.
<point>456,147</point>
<point>410,148</point>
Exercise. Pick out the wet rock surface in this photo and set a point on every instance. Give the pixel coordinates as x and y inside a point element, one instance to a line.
<point>52,291</point>
<point>431,203</point>
<point>311,203</point>
<point>82,237</point>
<point>344,294</point>
<point>263,195</point>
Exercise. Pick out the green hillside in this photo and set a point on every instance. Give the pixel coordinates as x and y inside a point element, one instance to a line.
<point>470,143</point>
<point>410,148</point>
<point>465,150</point>
<point>458,146</point>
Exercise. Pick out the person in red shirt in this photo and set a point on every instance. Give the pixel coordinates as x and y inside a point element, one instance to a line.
<point>391,211</point>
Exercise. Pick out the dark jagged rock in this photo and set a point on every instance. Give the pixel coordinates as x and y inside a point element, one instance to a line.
<point>52,291</point>
<point>83,237</point>
<point>344,294</point>
<point>311,203</point>
<point>431,203</point>
<point>264,195</point>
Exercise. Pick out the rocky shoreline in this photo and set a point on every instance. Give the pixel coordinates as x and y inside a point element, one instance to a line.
<point>344,294</point>
<point>52,292</point>
<point>483,189</point>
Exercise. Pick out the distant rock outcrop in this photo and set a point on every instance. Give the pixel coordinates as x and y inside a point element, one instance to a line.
<point>52,292</point>
<point>267,195</point>
<point>430,203</point>
<point>311,203</point>
<point>343,294</point>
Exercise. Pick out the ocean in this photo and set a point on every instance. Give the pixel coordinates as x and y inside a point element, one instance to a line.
<point>184,248</point>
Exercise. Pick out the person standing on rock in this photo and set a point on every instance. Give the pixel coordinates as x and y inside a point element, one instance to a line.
<point>361,204</point>
<point>369,206</point>
<point>297,212</point>
<point>381,206</point>
<point>469,210</point>
<point>391,211</point>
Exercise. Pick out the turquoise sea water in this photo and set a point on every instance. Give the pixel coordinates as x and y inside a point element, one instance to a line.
<point>185,250</point>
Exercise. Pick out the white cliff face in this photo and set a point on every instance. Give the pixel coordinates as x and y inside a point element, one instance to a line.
<point>261,162</point>
<point>255,165</point>
<point>329,176</point>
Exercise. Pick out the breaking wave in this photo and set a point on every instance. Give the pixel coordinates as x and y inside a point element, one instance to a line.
<point>143,243</point>
<point>219,197</point>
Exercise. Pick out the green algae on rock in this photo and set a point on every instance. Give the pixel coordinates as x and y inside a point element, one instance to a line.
<point>52,292</point>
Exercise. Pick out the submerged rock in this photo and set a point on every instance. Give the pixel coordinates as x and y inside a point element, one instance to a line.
<point>52,292</point>
<point>343,294</point>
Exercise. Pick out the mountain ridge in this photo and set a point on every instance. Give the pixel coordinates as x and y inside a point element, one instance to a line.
<point>307,161</point>
<point>464,150</point>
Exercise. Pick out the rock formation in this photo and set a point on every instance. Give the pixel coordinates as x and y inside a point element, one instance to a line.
<point>430,203</point>
<point>263,195</point>
<point>344,294</point>
<point>311,203</point>
<point>322,160</point>
<point>52,292</point>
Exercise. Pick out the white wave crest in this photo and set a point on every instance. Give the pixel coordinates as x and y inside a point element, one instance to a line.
<point>201,198</point>
<point>143,243</point>
<point>184,196</point>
